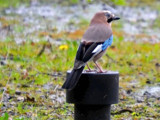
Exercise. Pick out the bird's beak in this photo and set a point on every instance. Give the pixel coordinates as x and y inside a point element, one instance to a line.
<point>115,18</point>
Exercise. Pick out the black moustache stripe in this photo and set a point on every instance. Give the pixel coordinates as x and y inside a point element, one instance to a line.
<point>109,20</point>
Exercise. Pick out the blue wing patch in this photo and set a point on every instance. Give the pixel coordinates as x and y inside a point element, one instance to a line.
<point>107,43</point>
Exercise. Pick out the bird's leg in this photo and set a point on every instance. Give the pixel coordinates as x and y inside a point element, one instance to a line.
<point>100,69</point>
<point>89,69</point>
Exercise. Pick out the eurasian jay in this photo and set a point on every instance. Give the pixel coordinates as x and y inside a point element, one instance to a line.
<point>93,45</point>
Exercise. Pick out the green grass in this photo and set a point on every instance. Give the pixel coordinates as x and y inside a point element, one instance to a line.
<point>26,69</point>
<point>15,3</point>
<point>12,3</point>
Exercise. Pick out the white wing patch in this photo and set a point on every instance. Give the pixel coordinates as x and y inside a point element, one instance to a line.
<point>97,49</point>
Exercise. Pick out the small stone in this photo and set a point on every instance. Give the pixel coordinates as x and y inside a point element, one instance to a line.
<point>147,93</point>
<point>3,63</point>
<point>20,98</point>
<point>148,81</point>
<point>18,93</point>
<point>129,91</point>
<point>157,64</point>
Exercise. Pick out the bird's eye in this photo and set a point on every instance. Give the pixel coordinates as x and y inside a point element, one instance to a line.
<point>108,15</point>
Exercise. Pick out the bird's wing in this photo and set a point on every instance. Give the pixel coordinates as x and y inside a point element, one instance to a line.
<point>84,54</point>
<point>87,52</point>
<point>97,33</point>
<point>97,48</point>
<point>93,50</point>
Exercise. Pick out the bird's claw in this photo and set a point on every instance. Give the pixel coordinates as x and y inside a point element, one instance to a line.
<point>90,70</point>
<point>101,71</point>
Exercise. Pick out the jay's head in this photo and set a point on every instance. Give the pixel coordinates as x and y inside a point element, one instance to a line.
<point>104,16</point>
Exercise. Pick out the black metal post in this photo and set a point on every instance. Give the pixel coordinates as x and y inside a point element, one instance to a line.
<point>91,112</point>
<point>93,95</point>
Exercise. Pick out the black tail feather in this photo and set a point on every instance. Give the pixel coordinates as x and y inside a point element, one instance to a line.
<point>72,80</point>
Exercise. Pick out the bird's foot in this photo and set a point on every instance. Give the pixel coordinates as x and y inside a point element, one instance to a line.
<point>101,71</point>
<point>99,68</point>
<point>90,70</point>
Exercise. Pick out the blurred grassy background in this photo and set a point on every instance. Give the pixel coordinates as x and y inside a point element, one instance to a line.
<point>32,72</point>
<point>16,3</point>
